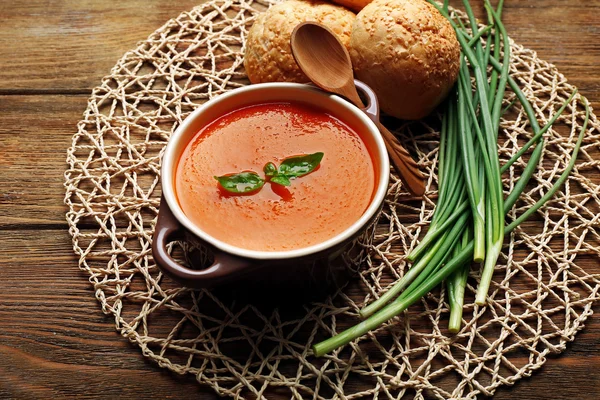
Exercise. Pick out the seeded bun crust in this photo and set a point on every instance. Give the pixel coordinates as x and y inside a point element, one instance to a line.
<point>407,52</point>
<point>354,5</point>
<point>268,56</point>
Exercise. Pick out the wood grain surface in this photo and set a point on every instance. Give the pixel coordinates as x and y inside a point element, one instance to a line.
<point>54,340</point>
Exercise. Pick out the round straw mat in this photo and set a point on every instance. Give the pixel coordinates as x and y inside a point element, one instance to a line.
<point>538,301</point>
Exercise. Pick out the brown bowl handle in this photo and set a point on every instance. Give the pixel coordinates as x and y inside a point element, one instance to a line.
<point>224,268</point>
<point>372,107</point>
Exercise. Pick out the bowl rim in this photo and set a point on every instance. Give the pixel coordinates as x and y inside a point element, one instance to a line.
<point>169,166</point>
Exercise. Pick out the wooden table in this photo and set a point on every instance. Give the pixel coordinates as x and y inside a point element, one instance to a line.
<point>54,340</point>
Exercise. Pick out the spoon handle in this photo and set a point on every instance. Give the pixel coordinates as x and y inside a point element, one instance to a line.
<point>403,163</point>
<point>401,160</point>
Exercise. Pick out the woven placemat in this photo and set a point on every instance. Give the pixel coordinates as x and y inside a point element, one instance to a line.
<point>540,296</point>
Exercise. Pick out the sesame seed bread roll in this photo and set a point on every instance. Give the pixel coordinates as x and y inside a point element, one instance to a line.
<point>268,55</point>
<point>354,5</point>
<point>407,52</point>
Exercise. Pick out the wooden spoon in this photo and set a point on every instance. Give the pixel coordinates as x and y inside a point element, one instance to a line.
<point>326,62</point>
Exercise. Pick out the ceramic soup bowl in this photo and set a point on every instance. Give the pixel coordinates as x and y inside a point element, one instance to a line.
<point>307,267</point>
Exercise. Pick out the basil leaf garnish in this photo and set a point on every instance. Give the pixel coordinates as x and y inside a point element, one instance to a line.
<point>297,166</point>
<point>290,168</point>
<point>243,182</point>
<point>270,169</point>
<point>281,180</point>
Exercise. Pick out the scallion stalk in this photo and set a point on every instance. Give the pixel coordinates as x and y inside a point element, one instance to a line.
<point>435,257</point>
<point>440,229</point>
<point>441,254</point>
<point>456,284</point>
<point>449,178</point>
<point>538,135</point>
<point>470,166</point>
<point>409,297</point>
<point>495,232</point>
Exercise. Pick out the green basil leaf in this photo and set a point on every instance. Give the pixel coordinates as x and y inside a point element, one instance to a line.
<point>281,180</point>
<point>270,169</point>
<point>297,166</point>
<point>243,182</point>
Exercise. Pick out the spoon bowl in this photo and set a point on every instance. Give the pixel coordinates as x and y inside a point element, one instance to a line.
<point>326,62</point>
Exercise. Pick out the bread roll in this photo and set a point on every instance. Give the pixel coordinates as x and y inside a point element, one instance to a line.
<point>268,55</point>
<point>354,5</point>
<point>407,52</point>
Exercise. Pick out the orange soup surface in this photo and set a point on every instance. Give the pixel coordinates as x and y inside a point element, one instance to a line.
<point>314,208</point>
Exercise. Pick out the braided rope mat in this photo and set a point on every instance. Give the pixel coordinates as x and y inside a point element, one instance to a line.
<point>539,299</point>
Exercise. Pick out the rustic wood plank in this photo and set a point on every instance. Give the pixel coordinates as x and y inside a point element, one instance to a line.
<point>55,342</point>
<point>35,132</point>
<point>71,45</point>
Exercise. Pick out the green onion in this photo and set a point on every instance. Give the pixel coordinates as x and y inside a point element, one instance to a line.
<point>478,36</point>
<point>456,284</point>
<point>563,177</point>
<point>509,106</point>
<point>449,177</point>
<point>470,186</point>
<point>463,256</point>
<point>471,164</point>
<point>440,228</point>
<point>495,231</point>
<point>538,135</point>
<point>497,102</point>
<point>509,202</point>
<point>452,204</point>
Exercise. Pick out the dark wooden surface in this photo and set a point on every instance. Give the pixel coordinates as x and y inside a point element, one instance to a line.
<point>54,340</point>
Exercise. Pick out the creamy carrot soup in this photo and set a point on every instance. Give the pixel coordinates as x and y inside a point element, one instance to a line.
<point>312,209</point>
